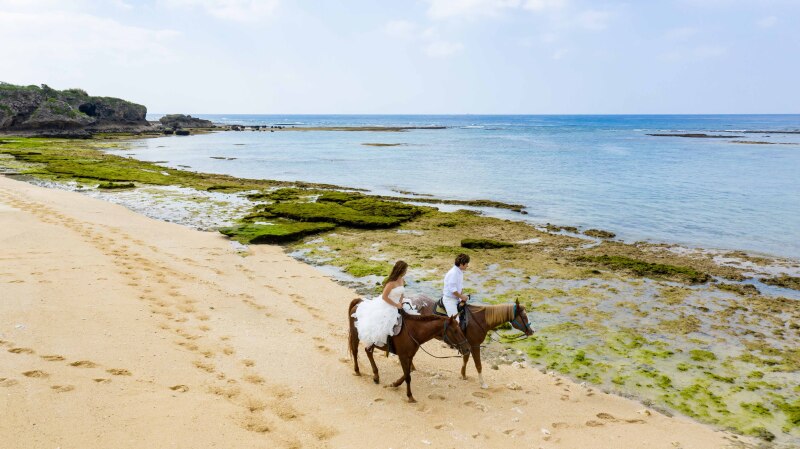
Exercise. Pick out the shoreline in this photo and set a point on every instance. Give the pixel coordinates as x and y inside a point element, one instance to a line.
<point>543,287</point>
<point>234,361</point>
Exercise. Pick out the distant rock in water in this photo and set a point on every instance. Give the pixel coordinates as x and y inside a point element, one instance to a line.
<point>176,121</point>
<point>696,135</point>
<point>66,113</point>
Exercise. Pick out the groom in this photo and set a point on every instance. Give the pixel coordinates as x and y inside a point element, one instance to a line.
<point>454,284</point>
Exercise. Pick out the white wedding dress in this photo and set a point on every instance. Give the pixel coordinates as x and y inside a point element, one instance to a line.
<point>375,318</point>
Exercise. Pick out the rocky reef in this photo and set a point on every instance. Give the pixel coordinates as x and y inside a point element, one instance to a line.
<point>176,121</point>
<point>41,110</point>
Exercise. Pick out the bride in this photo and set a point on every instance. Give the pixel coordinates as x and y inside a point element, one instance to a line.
<point>376,317</point>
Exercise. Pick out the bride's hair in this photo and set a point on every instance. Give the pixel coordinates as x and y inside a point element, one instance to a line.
<point>399,270</point>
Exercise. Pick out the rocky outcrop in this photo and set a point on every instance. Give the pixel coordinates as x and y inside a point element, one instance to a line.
<point>72,111</point>
<point>175,121</point>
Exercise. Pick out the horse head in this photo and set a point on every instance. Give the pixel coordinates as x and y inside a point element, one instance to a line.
<point>454,337</point>
<point>520,320</point>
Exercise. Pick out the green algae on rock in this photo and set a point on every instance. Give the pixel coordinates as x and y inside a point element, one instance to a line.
<point>784,281</point>
<point>647,269</point>
<point>116,185</point>
<point>278,232</point>
<point>484,244</point>
<point>356,213</point>
<point>599,233</point>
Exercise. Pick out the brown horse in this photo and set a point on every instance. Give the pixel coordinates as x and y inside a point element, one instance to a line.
<point>416,330</point>
<point>481,319</point>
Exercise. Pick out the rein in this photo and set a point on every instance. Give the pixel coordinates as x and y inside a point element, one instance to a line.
<point>444,339</point>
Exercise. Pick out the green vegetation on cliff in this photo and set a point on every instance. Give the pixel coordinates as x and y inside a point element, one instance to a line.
<point>35,108</point>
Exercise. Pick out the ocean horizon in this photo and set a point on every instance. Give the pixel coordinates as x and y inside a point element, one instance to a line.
<point>736,190</point>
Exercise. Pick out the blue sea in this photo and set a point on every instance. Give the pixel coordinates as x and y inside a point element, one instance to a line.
<point>591,171</point>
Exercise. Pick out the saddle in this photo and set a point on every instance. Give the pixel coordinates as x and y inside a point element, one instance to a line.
<point>395,332</point>
<point>439,309</point>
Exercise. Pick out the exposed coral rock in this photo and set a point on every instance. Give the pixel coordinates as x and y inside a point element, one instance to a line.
<point>175,121</point>
<point>67,113</point>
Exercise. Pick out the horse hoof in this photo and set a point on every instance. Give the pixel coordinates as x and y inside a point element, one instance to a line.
<point>484,386</point>
<point>376,380</point>
<point>356,373</point>
<point>411,400</point>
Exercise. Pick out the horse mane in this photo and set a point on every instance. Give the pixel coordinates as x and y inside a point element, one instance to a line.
<point>495,314</point>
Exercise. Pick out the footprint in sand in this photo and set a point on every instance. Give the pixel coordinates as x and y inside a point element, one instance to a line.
<point>436,396</point>
<point>21,351</point>
<point>62,388</point>
<point>514,432</point>
<point>35,373</point>
<point>83,364</point>
<point>443,426</point>
<point>606,416</point>
<point>519,402</point>
<point>179,388</point>
<point>100,380</point>
<point>480,394</point>
<point>560,425</point>
<point>593,423</point>
<point>4,382</point>
<point>118,372</point>
<point>254,379</point>
<point>255,423</point>
<point>477,405</point>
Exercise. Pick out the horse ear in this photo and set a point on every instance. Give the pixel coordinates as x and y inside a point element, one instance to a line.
<point>517,301</point>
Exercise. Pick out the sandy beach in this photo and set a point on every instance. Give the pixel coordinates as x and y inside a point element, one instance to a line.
<point>122,331</point>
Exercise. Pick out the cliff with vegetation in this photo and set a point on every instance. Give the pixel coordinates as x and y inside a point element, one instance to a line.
<point>41,110</point>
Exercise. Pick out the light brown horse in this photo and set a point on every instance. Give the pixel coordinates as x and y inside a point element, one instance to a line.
<point>481,319</point>
<point>416,330</point>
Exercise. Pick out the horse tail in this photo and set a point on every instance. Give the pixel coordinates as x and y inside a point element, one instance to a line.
<point>352,335</point>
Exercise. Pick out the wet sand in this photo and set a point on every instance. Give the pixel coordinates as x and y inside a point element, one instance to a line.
<point>117,330</point>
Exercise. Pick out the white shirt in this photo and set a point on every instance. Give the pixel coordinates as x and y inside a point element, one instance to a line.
<point>453,282</point>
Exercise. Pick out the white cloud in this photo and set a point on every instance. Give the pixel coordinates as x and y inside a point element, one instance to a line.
<point>767,22</point>
<point>545,5</point>
<point>402,29</point>
<point>445,9</point>
<point>709,51</point>
<point>236,10</point>
<point>122,4</point>
<point>593,20</point>
<point>695,54</point>
<point>58,36</point>
<point>442,49</point>
<point>680,34</point>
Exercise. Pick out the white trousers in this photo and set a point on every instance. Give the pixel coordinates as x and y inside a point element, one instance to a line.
<point>451,305</point>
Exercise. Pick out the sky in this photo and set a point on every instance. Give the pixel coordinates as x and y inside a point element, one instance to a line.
<point>412,57</point>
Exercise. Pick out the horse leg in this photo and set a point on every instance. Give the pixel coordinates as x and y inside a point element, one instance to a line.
<point>375,377</point>
<point>406,364</point>
<point>464,366</point>
<point>354,347</point>
<point>476,355</point>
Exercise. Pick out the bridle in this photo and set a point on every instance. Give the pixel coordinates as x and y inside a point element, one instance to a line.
<point>444,337</point>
